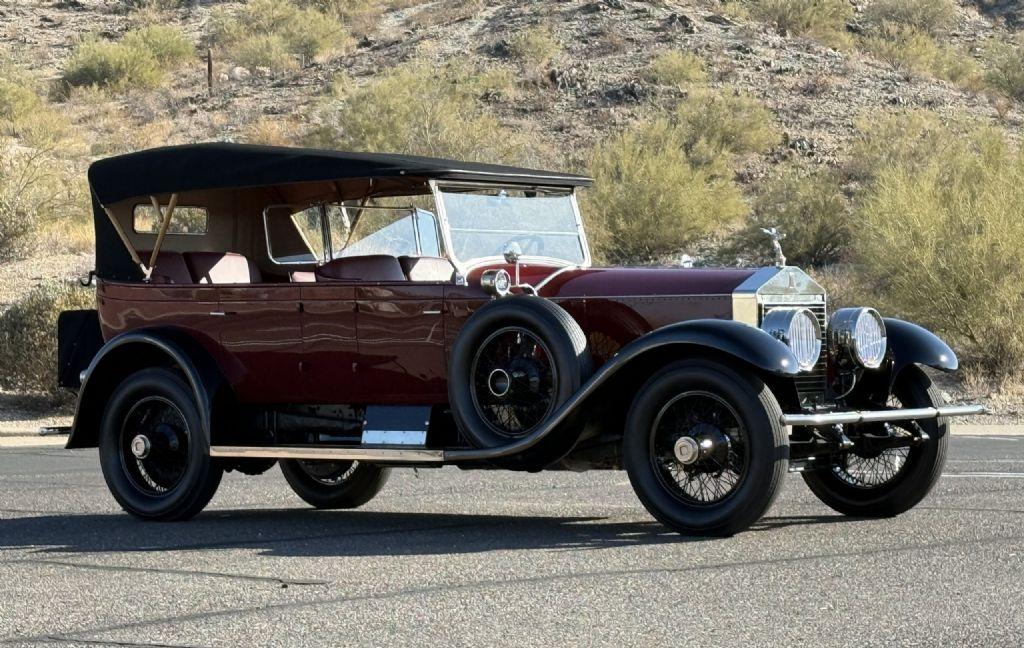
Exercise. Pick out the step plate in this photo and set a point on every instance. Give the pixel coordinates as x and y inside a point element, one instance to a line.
<point>363,453</point>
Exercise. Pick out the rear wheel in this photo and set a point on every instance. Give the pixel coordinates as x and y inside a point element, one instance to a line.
<point>886,482</point>
<point>705,448</point>
<point>152,452</point>
<point>334,484</point>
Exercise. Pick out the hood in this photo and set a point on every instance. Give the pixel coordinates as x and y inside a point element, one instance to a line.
<point>621,282</point>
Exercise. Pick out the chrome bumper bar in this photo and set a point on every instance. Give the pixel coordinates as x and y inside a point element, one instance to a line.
<point>879,416</point>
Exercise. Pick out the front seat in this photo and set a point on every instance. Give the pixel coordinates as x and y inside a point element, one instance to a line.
<point>426,268</point>
<point>222,268</point>
<point>371,267</point>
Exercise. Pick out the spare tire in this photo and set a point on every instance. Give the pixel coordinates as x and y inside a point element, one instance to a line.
<point>515,361</point>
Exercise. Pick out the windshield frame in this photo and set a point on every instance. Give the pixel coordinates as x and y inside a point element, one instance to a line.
<point>464,266</point>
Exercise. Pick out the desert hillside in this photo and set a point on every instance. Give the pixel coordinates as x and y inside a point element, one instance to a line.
<point>857,127</point>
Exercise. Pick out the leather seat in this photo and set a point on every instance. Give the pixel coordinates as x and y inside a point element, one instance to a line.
<point>222,268</point>
<point>427,268</point>
<point>169,268</point>
<point>301,276</point>
<point>372,267</point>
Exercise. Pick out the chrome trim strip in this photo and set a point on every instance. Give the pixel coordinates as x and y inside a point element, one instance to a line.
<point>844,418</point>
<point>410,455</point>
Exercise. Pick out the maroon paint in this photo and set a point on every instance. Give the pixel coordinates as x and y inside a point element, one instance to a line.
<point>350,342</point>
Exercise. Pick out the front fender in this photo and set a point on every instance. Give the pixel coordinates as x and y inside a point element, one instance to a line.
<point>912,344</point>
<point>133,351</point>
<point>747,344</point>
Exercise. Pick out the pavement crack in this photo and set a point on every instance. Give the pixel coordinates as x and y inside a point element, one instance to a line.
<point>106,642</point>
<point>287,582</point>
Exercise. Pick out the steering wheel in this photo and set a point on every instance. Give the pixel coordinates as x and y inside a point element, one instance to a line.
<point>531,244</point>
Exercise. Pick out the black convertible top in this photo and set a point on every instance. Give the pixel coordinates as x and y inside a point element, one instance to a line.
<point>220,165</point>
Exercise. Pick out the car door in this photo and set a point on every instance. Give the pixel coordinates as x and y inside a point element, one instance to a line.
<point>401,343</point>
<point>329,353</point>
<point>261,333</point>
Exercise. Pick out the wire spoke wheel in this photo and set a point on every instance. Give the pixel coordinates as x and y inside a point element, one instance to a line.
<point>329,473</point>
<point>154,445</point>
<point>514,381</point>
<point>699,448</point>
<point>862,469</point>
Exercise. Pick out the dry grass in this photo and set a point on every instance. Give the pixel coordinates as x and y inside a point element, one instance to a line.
<point>824,20</point>
<point>929,16</point>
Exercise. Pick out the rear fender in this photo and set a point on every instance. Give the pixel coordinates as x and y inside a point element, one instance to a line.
<point>134,351</point>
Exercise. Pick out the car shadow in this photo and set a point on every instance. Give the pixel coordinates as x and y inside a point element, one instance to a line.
<point>301,532</point>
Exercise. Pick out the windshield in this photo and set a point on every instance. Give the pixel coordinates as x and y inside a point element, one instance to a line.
<point>483,222</point>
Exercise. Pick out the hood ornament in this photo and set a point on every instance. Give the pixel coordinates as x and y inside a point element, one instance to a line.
<point>776,236</point>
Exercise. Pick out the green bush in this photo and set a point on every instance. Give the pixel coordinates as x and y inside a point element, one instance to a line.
<point>712,122</point>
<point>650,201</point>
<point>111,65</point>
<point>913,50</point>
<point>139,60</point>
<point>289,32</point>
<point>942,244</point>
<point>28,336</point>
<point>676,68</point>
<point>822,19</point>
<point>168,45</point>
<point>1005,72</point>
<point>416,108</point>
<point>535,47</point>
<point>902,140</point>
<point>929,16</point>
<point>809,208</point>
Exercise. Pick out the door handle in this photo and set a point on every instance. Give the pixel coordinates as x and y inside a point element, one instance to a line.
<point>220,313</point>
<point>431,312</point>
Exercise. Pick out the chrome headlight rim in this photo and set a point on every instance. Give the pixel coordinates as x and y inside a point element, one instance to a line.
<point>798,329</point>
<point>849,341</point>
<point>497,283</point>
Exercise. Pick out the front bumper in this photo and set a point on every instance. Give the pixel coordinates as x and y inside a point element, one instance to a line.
<point>879,416</point>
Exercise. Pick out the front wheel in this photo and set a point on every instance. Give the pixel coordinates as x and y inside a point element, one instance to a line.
<point>334,484</point>
<point>705,448</point>
<point>152,452</point>
<point>887,482</point>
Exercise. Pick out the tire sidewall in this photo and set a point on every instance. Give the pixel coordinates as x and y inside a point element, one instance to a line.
<point>531,314</point>
<point>194,484</point>
<point>358,489</point>
<point>913,483</point>
<point>767,458</point>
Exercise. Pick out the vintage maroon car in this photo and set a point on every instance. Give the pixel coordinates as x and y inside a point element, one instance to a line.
<point>344,313</point>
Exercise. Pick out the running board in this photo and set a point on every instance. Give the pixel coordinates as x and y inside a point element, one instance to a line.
<point>369,454</point>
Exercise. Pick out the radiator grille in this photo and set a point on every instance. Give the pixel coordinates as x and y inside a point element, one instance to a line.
<point>811,385</point>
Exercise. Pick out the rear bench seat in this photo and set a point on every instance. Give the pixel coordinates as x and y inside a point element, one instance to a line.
<point>169,268</point>
<point>221,268</point>
<point>427,268</point>
<point>372,267</point>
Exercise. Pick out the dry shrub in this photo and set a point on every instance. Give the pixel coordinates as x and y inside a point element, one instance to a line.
<point>535,47</point>
<point>808,207</point>
<point>28,336</point>
<point>650,201</point>
<point>416,108</point>
<point>676,68</point>
<point>941,242</point>
<point>271,132</point>
<point>929,16</point>
<point>139,61</point>
<point>900,140</point>
<point>1005,63</point>
<point>35,189</point>
<point>715,122</point>
<point>914,51</point>
<point>277,34</point>
<point>27,116</point>
<point>824,20</point>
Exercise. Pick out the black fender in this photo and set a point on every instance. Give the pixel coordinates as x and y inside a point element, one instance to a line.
<point>912,344</point>
<point>745,344</point>
<point>135,350</point>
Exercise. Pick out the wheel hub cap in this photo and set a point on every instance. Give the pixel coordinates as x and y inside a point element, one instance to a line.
<point>141,446</point>
<point>687,450</point>
<point>499,382</point>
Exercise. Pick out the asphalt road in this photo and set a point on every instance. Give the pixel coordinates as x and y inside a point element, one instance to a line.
<point>491,558</point>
